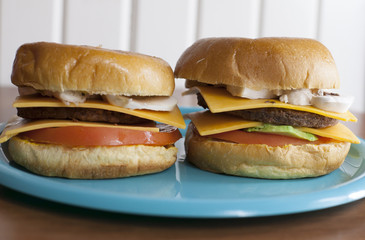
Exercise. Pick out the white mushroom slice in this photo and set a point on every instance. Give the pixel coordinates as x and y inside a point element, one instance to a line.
<point>332,103</point>
<point>156,103</point>
<point>249,93</point>
<point>68,97</point>
<point>299,97</point>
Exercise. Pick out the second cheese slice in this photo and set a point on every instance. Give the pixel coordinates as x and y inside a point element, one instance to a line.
<point>208,123</point>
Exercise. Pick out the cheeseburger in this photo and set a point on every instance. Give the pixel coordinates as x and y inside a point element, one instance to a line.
<point>273,111</point>
<point>91,113</point>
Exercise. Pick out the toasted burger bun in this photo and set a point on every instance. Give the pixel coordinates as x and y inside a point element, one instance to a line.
<point>270,63</point>
<point>58,68</point>
<point>91,162</point>
<point>263,161</point>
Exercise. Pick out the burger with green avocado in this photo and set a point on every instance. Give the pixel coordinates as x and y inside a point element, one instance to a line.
<point>272,109</point>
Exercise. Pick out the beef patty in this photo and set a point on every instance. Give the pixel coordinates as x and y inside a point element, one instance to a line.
<point>79,114</point>
<point>280,116</point>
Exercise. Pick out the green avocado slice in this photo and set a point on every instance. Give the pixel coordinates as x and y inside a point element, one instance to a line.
<point>283,130</point>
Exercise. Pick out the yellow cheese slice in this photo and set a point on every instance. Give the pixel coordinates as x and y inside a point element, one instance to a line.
<point>173,118</point>
<point>18,125</point>
<point>339,132</point>
<point>208,123</point>
<point>212,123</point>
<point>219,100</point>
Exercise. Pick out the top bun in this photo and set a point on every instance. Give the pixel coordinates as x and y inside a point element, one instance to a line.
<point>263,63</point>
<point>58,67</point>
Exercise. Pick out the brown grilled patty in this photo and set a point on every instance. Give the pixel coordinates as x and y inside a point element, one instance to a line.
<point>79,114</point>
<point>280,116</point>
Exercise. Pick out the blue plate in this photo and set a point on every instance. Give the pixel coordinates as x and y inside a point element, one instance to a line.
<point>185,191</point>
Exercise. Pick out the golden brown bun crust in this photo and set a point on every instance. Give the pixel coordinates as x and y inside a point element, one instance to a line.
<point>93,162</point>
<point>262,161</point>
<point>271,63</point>
<point>59,67</point>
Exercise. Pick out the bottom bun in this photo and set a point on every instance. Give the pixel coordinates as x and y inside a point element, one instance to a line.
<point>263,161</point>
<point>91,162</point>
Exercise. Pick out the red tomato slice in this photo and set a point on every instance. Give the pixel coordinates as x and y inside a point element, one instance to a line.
<point>101,136</point>
<point>274,140</point>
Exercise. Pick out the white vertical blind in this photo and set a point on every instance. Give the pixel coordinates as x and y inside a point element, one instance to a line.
<point>164,28</point>
<point>161,28</point>
<point>25,21</point>
<point>289,18</point>
<point>230,18</point>
<point>90,23</point>
<point>125,17</point>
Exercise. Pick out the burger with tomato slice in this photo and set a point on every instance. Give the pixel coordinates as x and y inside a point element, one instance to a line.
<point>273,110</point>
<point>91,113</point>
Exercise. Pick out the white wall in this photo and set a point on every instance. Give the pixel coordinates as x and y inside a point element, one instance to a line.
<point>164,28</point>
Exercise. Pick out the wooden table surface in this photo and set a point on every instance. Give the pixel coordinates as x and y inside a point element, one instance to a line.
<point>26,217</point>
